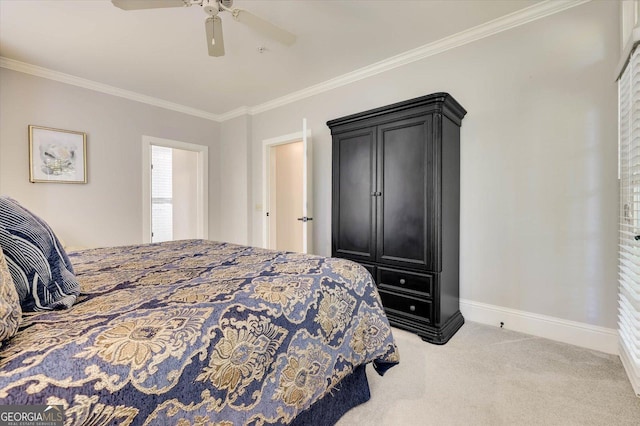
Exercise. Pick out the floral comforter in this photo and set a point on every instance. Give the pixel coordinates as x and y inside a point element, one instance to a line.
<point>193,332</point>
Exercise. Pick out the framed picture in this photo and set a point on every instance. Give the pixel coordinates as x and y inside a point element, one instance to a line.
<point>57,155</point>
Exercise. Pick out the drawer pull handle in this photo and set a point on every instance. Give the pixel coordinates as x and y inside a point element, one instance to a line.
<point>402,281</point>
<point>412,308</point>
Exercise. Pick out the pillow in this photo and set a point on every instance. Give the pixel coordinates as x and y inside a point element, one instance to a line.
<point>41,271</point>
<point>10,311</point>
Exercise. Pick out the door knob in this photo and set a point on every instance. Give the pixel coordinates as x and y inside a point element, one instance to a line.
<point>305,219</point>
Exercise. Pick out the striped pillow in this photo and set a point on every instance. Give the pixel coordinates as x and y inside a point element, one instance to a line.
<point>41,271</point>
<point>10,311</point>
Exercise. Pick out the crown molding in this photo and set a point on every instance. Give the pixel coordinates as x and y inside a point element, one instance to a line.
<point>238,112</point>
<point>504,23</point>
<point>38,71</point>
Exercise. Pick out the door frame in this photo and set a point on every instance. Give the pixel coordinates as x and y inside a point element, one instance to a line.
<point>202,191</point>
<point>267,144</point>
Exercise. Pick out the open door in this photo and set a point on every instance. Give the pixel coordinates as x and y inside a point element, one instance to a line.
<point>307,190</point>
<point>288,192</point>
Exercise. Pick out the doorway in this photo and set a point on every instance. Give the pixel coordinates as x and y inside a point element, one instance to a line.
<point>287,192</point>
<point>174,190</point>
<point>285,197</point>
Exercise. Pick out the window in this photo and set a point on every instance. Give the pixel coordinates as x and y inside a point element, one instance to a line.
<point>629,223</point>
<point>161,194</point>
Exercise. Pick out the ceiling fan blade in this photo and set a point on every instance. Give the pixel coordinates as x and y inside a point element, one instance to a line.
<point>148,4</point>
<point>215,41</point>
<point>264,27</point>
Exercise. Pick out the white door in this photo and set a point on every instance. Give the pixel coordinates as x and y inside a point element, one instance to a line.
<point>307,190</point>
<point>287,192</point>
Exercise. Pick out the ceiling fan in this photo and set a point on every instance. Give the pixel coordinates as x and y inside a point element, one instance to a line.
<point>213,23</point>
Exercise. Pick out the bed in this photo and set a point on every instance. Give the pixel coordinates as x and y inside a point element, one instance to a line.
<point>201,332</point>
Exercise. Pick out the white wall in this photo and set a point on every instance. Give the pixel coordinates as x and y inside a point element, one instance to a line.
<point>235,176</point>
<point>106,211</point>
<point>539,182</point>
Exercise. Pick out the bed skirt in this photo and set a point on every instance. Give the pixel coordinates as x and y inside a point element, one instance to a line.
<point>352,391</point>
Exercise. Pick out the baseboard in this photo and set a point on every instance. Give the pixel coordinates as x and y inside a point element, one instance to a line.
<point>631,368</point>
<point>572,332</point>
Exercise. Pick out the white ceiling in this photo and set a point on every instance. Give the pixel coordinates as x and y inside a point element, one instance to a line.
<point>162,52</point>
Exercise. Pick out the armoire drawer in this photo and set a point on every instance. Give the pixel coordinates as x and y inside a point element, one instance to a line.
<point>393,279</point>
<point>406,305</point>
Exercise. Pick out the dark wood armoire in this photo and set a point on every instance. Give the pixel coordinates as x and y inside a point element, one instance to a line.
<point>396,208</point>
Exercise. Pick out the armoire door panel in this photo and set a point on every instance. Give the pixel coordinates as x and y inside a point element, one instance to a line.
<point>354,179</point>
<point>405,151</point>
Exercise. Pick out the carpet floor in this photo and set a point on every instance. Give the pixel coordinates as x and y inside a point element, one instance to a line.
<point>490,376</point>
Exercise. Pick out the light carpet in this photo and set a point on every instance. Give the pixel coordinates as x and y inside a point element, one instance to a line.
<point>490,376</point>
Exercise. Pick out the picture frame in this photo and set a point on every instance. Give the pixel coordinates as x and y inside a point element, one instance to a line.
<point>57,156</point>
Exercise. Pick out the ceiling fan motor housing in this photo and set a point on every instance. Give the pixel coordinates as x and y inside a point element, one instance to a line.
<point>211,7</point>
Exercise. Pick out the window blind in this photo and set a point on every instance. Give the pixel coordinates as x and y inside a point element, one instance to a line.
<point>629,223</point>
<point>161,194</point>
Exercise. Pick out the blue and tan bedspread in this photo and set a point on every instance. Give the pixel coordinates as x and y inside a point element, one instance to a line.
<point>198,332</point>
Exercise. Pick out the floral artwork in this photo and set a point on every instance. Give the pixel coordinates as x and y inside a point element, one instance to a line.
<point>57,155</point>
